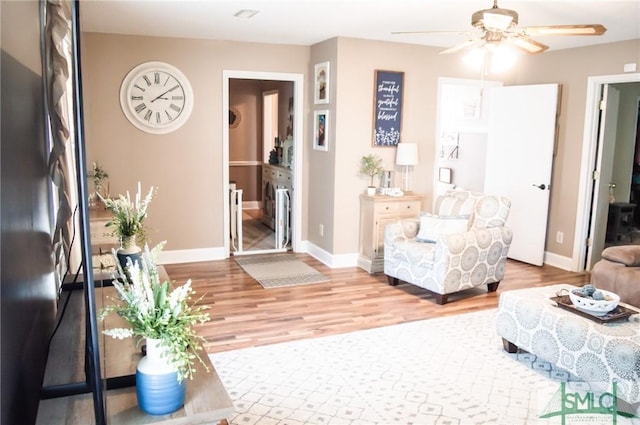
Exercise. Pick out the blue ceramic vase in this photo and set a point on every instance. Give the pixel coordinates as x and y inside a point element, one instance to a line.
<point>157,386</point>
<point>129,250</point>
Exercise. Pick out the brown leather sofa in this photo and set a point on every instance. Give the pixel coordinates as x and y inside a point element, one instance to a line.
<point>619,271</point>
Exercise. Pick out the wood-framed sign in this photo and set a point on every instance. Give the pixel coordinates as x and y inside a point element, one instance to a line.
<point>387,107</point>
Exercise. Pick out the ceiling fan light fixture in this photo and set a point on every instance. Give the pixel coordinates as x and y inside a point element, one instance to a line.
<point>475,58</point>
<point>502,59</point>
<point>496,21</point>
<point>491,58</point>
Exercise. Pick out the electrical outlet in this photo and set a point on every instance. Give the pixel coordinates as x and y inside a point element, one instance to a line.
<point>321,229</point>
<point>559,237</point>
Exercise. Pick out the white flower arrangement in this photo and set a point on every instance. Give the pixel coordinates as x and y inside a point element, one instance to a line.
<point>128,216</point>
<point>98,174</point>
<point>155,310</point>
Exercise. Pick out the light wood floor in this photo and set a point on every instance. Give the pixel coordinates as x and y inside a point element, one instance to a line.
<point>243,314</point>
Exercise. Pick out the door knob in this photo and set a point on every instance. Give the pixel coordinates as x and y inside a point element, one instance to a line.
<point>542,186</point>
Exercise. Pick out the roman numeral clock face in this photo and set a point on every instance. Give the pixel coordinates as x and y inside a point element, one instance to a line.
<point>156,97</point>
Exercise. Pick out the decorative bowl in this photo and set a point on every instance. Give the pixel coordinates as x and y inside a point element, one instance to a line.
<point>595,307</point>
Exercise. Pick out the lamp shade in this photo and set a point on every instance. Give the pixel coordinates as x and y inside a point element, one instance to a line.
<point>407,154</point>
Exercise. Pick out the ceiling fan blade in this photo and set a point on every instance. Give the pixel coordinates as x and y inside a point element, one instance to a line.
<point>466,45</point>
<point>590,29</point>
<point>526,44</point>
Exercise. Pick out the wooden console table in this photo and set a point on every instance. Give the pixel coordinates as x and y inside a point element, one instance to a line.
<point>207,401</point>
<point>376,212</point>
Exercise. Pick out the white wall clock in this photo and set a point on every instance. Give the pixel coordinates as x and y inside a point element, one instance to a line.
<point>156,97</point>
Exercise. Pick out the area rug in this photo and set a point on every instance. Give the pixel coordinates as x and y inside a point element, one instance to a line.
<point>273,271</point>
<point>449,370</point>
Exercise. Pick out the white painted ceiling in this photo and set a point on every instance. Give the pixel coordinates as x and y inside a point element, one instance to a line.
<point>306,22</point>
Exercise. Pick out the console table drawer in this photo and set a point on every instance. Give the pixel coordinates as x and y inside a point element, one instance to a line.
<point>410,208</point>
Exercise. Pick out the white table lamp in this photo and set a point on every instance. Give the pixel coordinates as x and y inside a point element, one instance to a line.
<point>407,156</point>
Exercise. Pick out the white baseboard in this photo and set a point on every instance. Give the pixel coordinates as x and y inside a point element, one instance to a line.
<point>330,260</point>
<point>191,255</point>
<point>555,260</point>
<point>217,253</point>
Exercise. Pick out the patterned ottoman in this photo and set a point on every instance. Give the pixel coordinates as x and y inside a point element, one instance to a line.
<point>596,353</point>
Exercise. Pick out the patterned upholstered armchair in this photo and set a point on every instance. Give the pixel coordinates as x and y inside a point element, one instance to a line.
<point>443,259</point>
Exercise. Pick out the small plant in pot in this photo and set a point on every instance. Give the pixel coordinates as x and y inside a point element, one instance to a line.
<point>371,165</point>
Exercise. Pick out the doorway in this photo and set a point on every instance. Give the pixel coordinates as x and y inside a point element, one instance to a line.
<point>592,209</point>
<point>476,145</point>
<point>622,221</point>
<point>295,158</point>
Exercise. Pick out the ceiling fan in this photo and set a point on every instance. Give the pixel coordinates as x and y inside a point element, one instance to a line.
<point>497,25</point>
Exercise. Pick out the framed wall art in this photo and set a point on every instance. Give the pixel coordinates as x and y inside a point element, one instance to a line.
<point>321,130</point>
<point>444,175</point>
<point>321,83</point>
<point>387,107</point>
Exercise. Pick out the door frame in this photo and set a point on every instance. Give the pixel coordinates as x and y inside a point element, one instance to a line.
<point>589,152</point>
<point>296,199</point>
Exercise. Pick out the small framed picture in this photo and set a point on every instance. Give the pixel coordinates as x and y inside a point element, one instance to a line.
<point>321,130</point>
<point>444,175</point>
<point>321,83</point>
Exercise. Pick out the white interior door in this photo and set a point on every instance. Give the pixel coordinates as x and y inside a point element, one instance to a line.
<point>603,172</point>
<point>520,146</point>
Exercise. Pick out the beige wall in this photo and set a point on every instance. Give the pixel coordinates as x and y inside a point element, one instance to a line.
<point>571,68</point>
<point>186,164</point>
<point>336,180</point>
<point>320,166</point>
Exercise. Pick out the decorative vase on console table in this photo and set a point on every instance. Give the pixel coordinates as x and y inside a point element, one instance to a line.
<point>165,316</point>
<point>128,250</point>
<point>158,389</point>
<point>127,221</point>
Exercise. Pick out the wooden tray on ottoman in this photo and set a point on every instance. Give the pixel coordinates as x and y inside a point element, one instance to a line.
<point>618,313</point>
